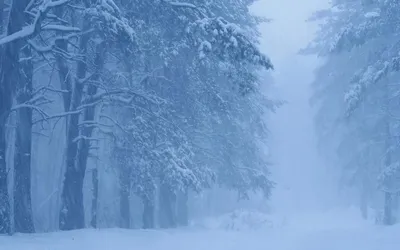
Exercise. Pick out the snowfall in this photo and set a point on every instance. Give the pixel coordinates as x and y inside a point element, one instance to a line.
<point>331,230</point>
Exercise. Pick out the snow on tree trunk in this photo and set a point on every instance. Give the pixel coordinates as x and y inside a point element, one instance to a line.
<point>23,220</point>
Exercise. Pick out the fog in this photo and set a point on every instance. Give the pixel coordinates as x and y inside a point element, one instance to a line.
<point>303,184</point>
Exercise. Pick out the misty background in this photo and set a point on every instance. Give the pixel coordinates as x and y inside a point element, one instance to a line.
<point>304,182</point>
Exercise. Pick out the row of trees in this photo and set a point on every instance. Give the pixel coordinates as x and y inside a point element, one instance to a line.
<point>357,96</point>
<point>166,92</point>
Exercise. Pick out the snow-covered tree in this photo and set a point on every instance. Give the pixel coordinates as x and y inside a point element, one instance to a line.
<point>218,56</point>
<point>363,36</point>
<point>173,85</point>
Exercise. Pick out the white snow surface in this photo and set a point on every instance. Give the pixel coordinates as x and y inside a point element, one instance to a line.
<point>333,230</point>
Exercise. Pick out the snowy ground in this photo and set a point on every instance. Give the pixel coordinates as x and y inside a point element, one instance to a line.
<point>329,231</point>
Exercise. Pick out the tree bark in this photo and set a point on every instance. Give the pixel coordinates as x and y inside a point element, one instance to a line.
<point>125,184</point>
<point>395,208</point>
<point>23,219</point>
<point>72,210</point>
<point>5,225</point>
<point>387,216</point>
<point>1,17</point>
<point>95,195</point>
<point>5,107</point>
<point>9,79</point>
<point>364,196</point>
<point>148,211</point>
<point>167,207</point>
<point>182,208</point>
<point>364,205</point>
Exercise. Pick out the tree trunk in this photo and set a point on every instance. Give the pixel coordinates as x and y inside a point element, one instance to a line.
<point>364,196</point>
<point>148,211</point>
<point>5,225</point>
<point>364,205</point>
<point>72,209</point>
<point>9,79</point>
<point>89,119</point>
<point>167,207</point>
<point>1,17</point>
<point>395,207</point>
<point>387,216</point>
<point>125,186</point>
<point>182,208</point>
<point>23,220</point>
<point>95,195</point>
<point>5,107</point>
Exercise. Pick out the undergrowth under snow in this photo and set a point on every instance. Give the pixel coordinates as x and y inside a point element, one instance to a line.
<point>238,220</point>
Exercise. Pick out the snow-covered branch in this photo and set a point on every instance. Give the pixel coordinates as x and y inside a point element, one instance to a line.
<point>181,4</point>
<point>58,115</point>
<point>32,29</point>
<point>30,106</point>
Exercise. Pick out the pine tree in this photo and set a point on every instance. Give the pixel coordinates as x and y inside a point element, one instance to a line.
<point>362,36</point>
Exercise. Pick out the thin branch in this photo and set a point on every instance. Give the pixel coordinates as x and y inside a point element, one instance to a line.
<point>59,115</point>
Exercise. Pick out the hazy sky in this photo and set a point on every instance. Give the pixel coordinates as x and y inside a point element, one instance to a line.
<point>288,31</point>
<point>298,170</point>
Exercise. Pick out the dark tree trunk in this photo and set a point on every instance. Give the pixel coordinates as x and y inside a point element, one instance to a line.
<point>167,207</point>
<point>89,120</point>
<point>182,208</point>
<point>72,212</point>
<point>125,186</point>
<point>9,79</point>
<point>5,225</point>
<point>5,106</point>
<point>1,17</point>
<point>72,209</point>
<point>95,195</point>
<point>23,220</point>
